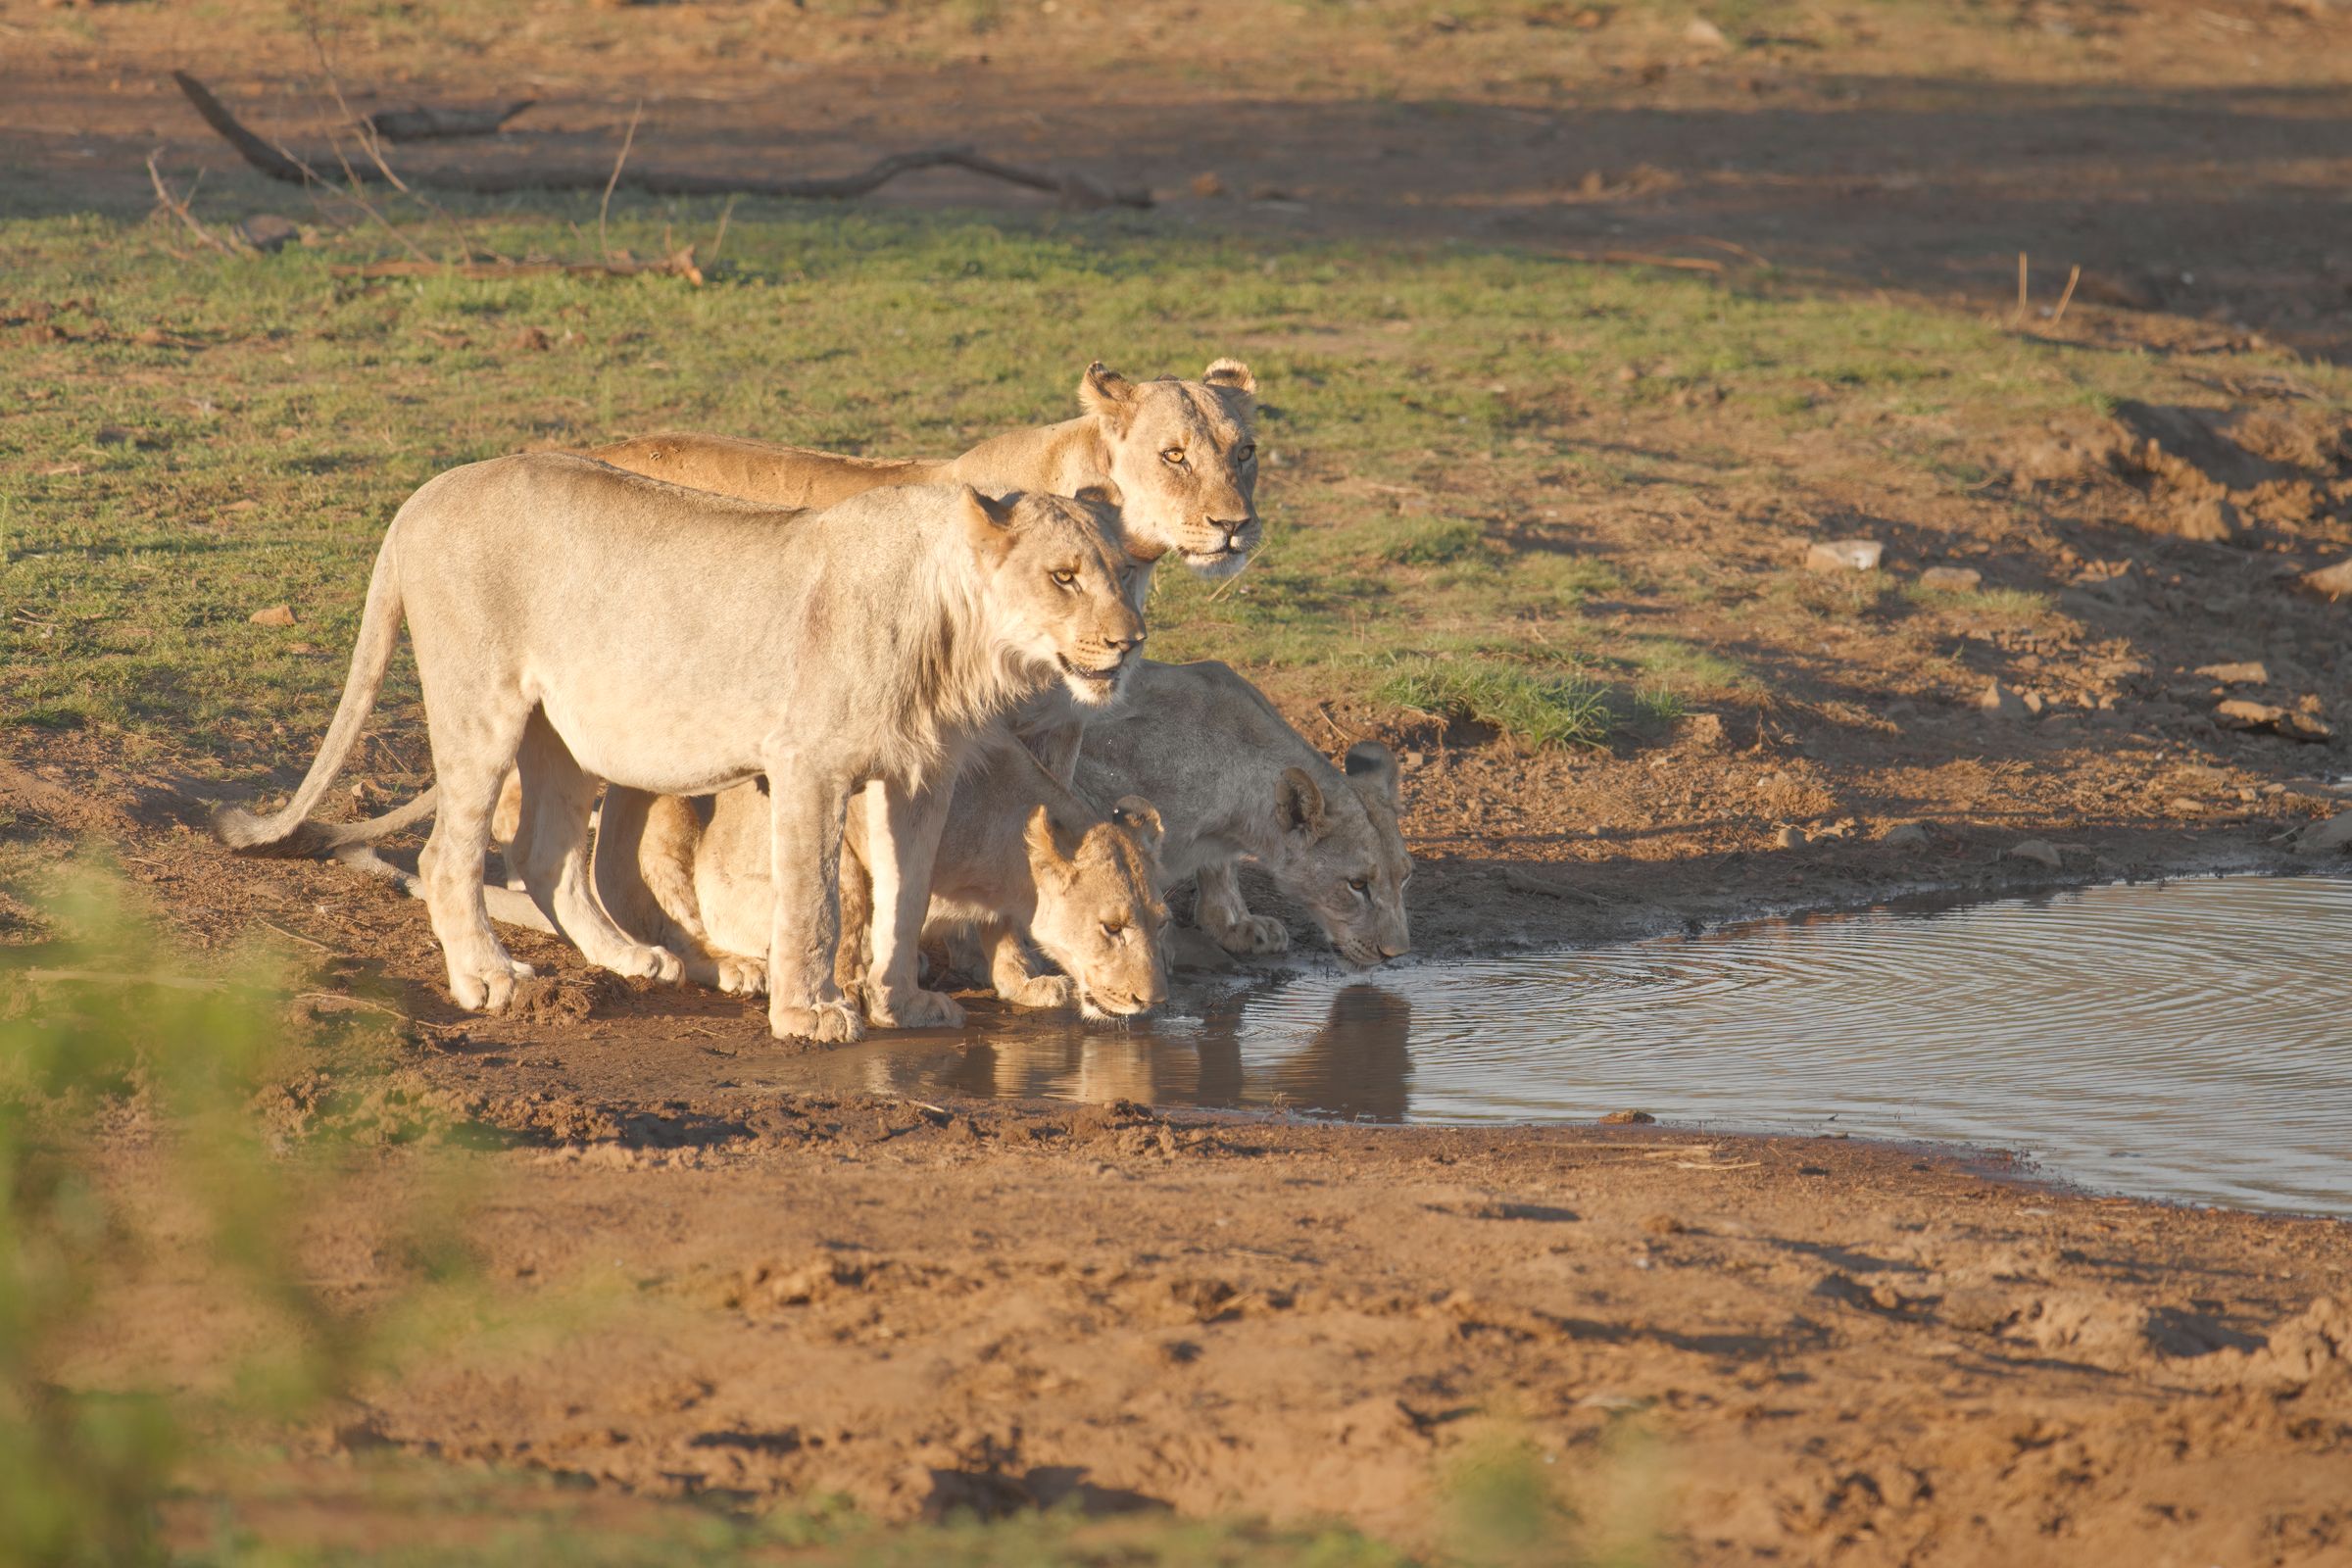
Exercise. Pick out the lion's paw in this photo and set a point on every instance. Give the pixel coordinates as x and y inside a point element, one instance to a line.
<point>827,1023</point>
<point>1255,933</point>
<point>488,986</point>
<point>639,962</point>
<point>1042,990</point>
<point>741,978</point>
<point>915,1009</point>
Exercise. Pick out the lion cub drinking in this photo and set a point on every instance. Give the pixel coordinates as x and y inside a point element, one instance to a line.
<point>567,616</point>
<point>1022,861</point>
<point>1233,781</point>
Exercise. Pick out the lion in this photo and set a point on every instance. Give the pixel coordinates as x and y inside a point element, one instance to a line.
<point>1178,459</point>
<point>1234,782</point>
<point>1021,858</point>
<point>566,616</point>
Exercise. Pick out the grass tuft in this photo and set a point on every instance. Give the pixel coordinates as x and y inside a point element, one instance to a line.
<point>1439,543</point>
<point>1536,708</point>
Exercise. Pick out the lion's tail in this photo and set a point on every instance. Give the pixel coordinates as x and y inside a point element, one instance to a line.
<point>290,833</point>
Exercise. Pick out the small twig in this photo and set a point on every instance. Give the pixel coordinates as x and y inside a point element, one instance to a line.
<point>1682,263</point>
<point>336,144</point>
<point>338,1001</point>
<point>294,936</point>
<point>1741,251</point>
<point>626,142</point>
<point>2019,318</point>
<point>1227,586</point>
<point>721,239</point>
<point>179,208</point>
<point>1323,711</point>
<point>372,142</point>
<point>2071,279</point>
<point>365,129</point>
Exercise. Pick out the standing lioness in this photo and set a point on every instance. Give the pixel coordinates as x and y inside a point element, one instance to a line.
<point>588,623</point>
<point>1178,459</point>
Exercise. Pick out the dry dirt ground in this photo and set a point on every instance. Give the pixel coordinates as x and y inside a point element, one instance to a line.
<point>1842,1353</point>
<point>1753,1351</point>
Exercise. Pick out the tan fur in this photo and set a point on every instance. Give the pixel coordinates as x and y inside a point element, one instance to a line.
<point>566,617</point>
<point>1022,861</point>
<point>1202,508</point>
<point>1234,782</point>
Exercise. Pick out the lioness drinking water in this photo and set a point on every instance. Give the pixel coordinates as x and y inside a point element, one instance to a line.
<point>1234,782</point>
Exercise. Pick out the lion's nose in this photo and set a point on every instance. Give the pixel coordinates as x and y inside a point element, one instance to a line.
<point>1124,645</point>
<point>1232,529</point>
<point>1394,950</point>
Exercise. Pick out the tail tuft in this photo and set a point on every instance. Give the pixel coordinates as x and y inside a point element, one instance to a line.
<point>248,834</point>
<point>307,840</point>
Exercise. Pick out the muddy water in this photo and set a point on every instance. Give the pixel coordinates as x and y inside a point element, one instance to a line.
<point>2189,1041</point>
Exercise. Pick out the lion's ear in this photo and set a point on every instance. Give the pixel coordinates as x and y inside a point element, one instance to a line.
<point>1376,765</point>
<point>1231,373</point>
<point>987,522</point>
<point>1298,803</point>
<point>1105,495</point>
<point>1141,817</point>
<point>1044,841</point>
<point>1107,394</point>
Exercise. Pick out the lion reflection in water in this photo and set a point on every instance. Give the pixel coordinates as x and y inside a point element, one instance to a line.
<point>1357,1065</point>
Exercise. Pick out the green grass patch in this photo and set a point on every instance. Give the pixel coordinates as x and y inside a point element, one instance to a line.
<point>1438,543</point>
<point>2009,605</point>
<point>1533,707</point>
<point>192,439</point>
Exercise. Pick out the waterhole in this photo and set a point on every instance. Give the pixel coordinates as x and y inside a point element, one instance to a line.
<point>2189,1041</point>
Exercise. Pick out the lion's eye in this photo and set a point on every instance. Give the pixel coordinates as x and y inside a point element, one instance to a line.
<point>1246,452</point>
<point>1173,456</point>
<point>1360,884</point>
<point>1114,929</point>
<point>1065,577</point>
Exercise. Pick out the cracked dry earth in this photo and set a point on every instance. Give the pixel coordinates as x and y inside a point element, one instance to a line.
<point>1827,1351</point>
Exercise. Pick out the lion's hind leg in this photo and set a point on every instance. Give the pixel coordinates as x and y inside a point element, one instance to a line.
<point>551,852</point>
<point>472,751</point>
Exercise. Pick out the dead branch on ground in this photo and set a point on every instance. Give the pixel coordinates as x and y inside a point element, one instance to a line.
<point>428,123</point>
<point>275,161</point>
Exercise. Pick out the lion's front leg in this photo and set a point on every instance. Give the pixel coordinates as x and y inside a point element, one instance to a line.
<point>901,841</point>
<point>805,820</point>
<point>1015,978</point>
<point>1227,919</point>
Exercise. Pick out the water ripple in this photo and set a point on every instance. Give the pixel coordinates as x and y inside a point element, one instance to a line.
<point>2189,1040</point>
